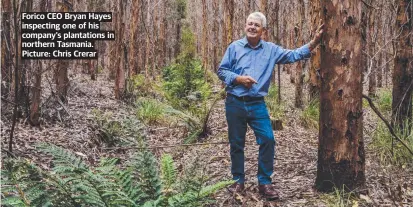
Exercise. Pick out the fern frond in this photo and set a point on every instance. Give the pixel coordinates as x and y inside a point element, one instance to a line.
<point>208,190</point>
<point>168,172</point>
<point>146,175</point>
<point>62,157</point>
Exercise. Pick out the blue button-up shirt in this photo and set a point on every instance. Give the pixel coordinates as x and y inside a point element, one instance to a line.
<point>241,59</point>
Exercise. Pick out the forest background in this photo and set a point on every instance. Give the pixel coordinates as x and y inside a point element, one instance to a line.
<point>144,124</point>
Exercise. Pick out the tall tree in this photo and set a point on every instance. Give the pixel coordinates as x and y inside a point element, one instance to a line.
<point>299,30</point>
<point>61,75</point>
<point>402,74</point>
<point>215,29</point>
<point>315,54</point>
<point>371,60</point>
<point>205,51</point>
<point>6,48</point>
<point>134,38</point>
<point>119,46</point>
<point>229,15</point>
<point>37,89</point>
<point>181,11</point>
<point>341,156</point>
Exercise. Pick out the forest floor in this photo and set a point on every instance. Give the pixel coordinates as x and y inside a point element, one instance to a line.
<point>296,149</point>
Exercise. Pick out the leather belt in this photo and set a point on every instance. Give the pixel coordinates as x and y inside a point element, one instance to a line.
<point>246,98</point>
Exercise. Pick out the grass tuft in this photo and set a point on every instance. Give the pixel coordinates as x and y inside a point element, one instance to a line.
<point>382,143</point>
<point>150,111</point>
<point>310,115</point>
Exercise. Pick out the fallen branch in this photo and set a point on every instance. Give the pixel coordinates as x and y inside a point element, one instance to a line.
<point>386,122</point>
<point>9,153</point>
<point>166,146</point>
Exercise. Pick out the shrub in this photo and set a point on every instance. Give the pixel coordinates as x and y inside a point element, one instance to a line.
<point>150,111</point>
<point>185,82</point>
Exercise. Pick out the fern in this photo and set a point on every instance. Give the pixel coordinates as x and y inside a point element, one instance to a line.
<point>147,177</point>
<point>168,174</point>
<point>73,183</point>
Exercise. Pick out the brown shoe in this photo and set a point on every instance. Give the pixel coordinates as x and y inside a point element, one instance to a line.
<point>236,188</point>
<point>268,192</point>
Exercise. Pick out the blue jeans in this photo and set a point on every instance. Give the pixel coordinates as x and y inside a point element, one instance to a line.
<point>255,114</point>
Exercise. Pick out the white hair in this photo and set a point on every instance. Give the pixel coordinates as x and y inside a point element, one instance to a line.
<point>260,16</point>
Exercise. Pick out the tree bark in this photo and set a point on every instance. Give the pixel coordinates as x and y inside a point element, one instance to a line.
<point>341,156</point>
<point>6,52</point>
<point>315,16</point>
<point>120,73</point>
<point>229,7</point>
<point>61,76</point>
<point>371,60</point>
<point>402,74</point>
<point>134,49</point>
<point>215,8</point>
<point>205,52</point>
<point>300,65</point>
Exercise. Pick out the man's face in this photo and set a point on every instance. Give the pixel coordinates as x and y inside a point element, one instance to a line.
<point>253,28</point>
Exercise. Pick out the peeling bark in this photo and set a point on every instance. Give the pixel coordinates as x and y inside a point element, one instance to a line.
<point>341,155</point>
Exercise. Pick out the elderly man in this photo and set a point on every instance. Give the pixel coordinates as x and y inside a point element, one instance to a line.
<point>246,69</point>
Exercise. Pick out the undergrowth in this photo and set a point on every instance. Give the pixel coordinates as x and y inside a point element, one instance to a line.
<point>382,143</point>
<point>150,111</point>
<point>310,115</point>
<point>73,183</point>
<point>340,198</point>
<point>276,109</point>
<point>116,131</point>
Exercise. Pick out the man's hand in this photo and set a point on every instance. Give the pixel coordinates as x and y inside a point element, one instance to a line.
<point>247,81</point>
<point>317,37</point>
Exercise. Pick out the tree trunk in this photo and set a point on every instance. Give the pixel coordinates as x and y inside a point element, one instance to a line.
<point>402,74</point>
<point>371,58</point>
<point>215,8</point>
<point>36,95</point>
<point>120,73</point>
<point>341,156</point>
<point>37,89</point>
<point>205,52</point>
<point>6,49</point>
<point>315,54</point>
<point>134,38</point>
<point>229,7</point>
<point>300,65</point>
<point>61,76</point>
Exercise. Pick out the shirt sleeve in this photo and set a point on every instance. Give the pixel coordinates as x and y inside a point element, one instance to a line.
<point>285,56</point>
<point>225,70</point>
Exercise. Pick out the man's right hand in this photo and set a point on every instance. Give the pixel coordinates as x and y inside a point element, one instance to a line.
<point>247,81</point>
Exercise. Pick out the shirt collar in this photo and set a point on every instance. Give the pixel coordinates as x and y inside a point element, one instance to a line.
<point>245,43</point>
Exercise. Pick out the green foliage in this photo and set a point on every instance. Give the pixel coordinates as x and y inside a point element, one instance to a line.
<point>276,110</point>
<point>168,172</point>
<point>340,198</point>
<point>150,111</point>
<point>139,86</point>
<point>108,130</point>
<point>73,183</point>
<point>382,143</point>
<point>184,81</point>
<point>116,132</point>
<point>384,100</point>
<point>196,123</point>
<point>310,115</point>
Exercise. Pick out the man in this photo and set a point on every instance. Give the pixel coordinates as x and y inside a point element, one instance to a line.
<point>246,69</point>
